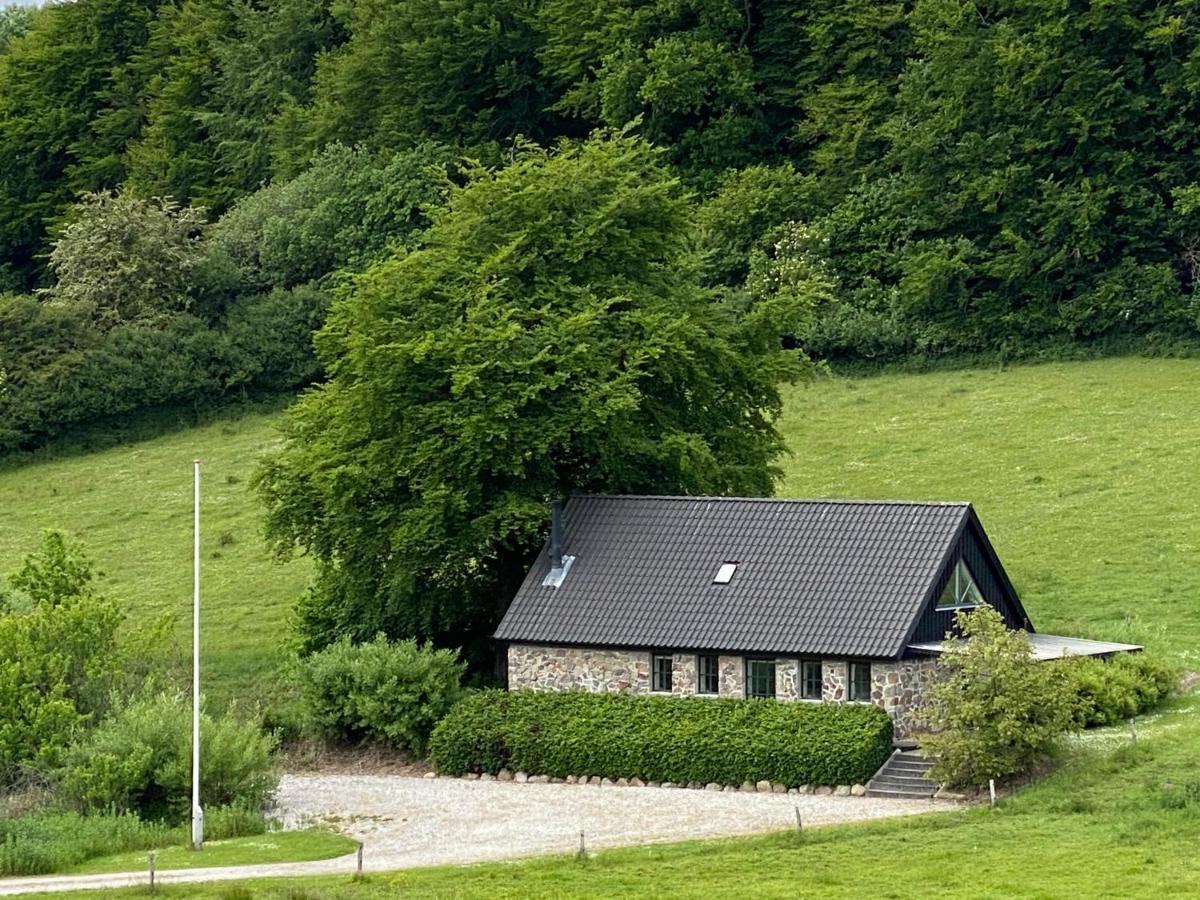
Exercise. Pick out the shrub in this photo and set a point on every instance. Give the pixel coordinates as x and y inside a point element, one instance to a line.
<point>993,709</point>
<point>391,692</point>
<point>1110,691</point>
<point>63,656</point>
<point>139,759</point>
<point>680,739</point>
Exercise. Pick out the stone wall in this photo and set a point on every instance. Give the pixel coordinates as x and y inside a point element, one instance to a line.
<point>787,679</point>
<point>833,680</point>
<point>683,674</point>
<point>540,668</point>
<point>733,676</point>
<point>897,687</point>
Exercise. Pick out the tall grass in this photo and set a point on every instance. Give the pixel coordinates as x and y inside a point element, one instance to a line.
<point>51,841</point>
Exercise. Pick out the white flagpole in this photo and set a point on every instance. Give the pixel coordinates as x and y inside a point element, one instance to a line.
<point>197,812</point>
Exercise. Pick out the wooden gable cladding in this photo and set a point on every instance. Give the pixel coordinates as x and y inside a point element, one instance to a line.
<point>975,550</point>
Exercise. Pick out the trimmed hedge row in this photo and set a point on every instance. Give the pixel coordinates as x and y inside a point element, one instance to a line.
<point>678,739</point>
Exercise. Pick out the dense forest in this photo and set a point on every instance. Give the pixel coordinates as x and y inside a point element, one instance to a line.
<point>959,176</point>
<point>558,245</point>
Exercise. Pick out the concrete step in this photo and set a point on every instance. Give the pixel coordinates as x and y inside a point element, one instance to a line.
<point>904,765</point>
<point>904,774</point>
<point>906,769</point>
<point>903,784</point>
<point>900,794</point>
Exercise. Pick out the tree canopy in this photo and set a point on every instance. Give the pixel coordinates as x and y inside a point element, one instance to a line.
<point>550,334</point>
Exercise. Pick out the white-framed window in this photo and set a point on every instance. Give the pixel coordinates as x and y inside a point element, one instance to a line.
<point>760,678</point>
<point>661,668</point>
<point>810,679</point>
<point>708,674</point>
<point>960,589</point>
<point>860,682</point>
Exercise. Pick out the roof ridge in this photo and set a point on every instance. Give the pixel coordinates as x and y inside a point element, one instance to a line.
<point>830,501</point>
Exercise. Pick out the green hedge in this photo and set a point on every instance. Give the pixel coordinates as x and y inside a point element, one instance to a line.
<point>1113,690</point>
<point>677,739</point>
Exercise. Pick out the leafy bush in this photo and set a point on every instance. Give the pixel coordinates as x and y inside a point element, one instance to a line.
<point>139,759</point>
<point>59,371</point>
<point>62,658</point>
<point>392,692</point>
<point>993,709</point>
<point>340,213</point>
<point>1110,691</point>
<point>124,258</point>
<point>51,841</point>
<point>680,739</point>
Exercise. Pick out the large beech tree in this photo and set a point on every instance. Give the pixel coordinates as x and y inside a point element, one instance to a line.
<point>552,334</point>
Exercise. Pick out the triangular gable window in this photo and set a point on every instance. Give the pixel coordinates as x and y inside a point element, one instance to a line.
<point>960,589</point>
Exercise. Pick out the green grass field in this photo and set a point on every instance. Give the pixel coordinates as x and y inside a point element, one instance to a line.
<point>276,847</point>
<point>1084,475</point>
<point>132,507</point>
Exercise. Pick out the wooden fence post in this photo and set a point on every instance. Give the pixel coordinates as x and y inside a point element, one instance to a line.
<point>152,871</point>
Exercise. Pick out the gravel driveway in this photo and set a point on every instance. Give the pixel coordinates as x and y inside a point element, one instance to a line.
<point>405,822</point>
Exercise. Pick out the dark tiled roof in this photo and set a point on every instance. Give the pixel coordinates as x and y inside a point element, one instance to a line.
<point>840,578</point>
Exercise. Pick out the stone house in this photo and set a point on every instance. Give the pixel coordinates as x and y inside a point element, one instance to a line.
<point>825,601</point>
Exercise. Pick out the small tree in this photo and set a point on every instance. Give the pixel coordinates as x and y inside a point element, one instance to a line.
<point>993,710</point>
<point>127,259</point>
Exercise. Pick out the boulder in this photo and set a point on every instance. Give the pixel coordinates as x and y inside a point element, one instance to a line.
<point>763,787</point>
<point>842,790</point>
<point>858,790</point>
<point>504,775</point>
<point>520,778</point>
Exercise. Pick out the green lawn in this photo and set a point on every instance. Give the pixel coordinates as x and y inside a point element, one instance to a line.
<point>277,847</point>
<point>1085,476</point>
<point>132,507</point>
<point>1083,473</point>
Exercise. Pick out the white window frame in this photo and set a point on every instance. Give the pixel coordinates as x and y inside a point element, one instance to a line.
<point>965,591</point>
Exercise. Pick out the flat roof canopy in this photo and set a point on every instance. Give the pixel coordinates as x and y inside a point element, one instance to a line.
<point>1050,646</point>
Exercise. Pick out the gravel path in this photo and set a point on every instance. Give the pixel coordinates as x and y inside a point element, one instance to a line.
<point>405,822</point>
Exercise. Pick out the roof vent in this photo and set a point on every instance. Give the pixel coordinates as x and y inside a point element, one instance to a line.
<point>725,573</point>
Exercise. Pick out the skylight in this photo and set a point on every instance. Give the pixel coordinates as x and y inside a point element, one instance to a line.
<point>725,573</point>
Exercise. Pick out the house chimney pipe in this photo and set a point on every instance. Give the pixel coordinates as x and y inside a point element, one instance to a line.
<point>556,547</point>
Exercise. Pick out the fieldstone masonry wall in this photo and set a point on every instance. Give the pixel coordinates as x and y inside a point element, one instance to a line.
<point>897,687</point>
<point>733,676</point>
<point>542,668</point>
<point>787,679</point>
<point>683,674</point>
<point>833,681</point>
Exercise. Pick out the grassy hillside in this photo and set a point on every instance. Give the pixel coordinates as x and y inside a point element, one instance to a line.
<point>132,506</point>
<point>1083,474</point>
